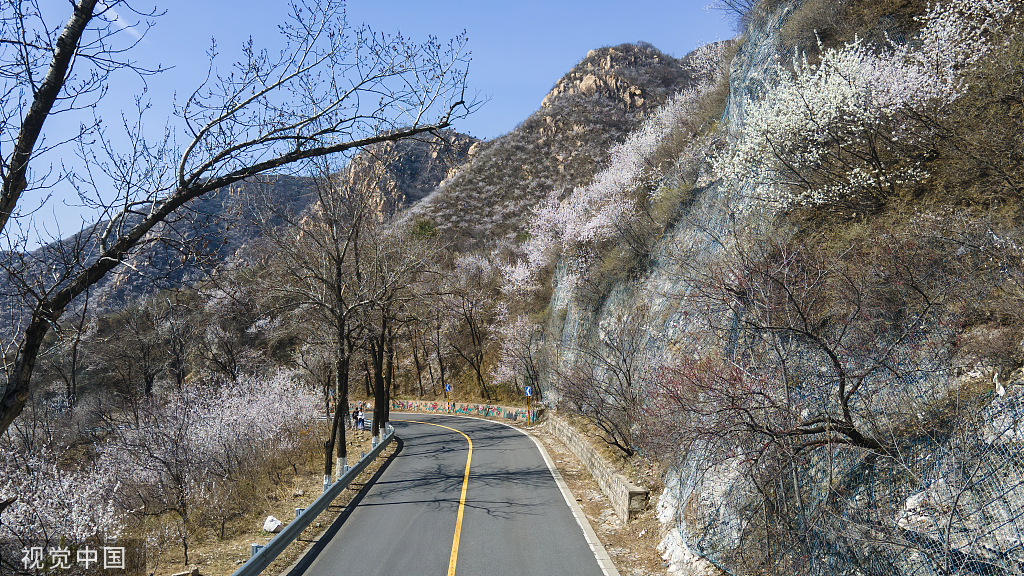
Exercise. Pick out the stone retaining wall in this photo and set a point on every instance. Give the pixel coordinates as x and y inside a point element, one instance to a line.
<point>627,498</point>
<point>489,410</point>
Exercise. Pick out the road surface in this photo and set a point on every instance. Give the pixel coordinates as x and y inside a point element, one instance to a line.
<point>440,507</point>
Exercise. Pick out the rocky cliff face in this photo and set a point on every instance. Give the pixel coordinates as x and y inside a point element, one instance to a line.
<point>410,169</point>
<point>953,499</point>
<point>629,74</point>
<point>581,320</point>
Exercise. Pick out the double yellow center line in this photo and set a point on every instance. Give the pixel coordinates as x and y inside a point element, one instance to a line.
<point>462,499</point>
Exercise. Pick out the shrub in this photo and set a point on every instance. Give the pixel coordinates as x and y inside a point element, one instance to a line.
<point>424,228</point>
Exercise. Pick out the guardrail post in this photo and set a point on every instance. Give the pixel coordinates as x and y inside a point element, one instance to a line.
<point>327,482</point>
<point>299,511</point>
<point>254,549</point>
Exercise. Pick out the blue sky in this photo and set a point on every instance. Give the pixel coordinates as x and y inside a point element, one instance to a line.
<point>519,48</point>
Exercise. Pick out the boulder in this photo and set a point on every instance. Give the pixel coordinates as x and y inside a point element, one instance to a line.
<point>272,524</point>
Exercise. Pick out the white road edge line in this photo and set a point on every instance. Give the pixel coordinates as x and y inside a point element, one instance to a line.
<point>603,559</point>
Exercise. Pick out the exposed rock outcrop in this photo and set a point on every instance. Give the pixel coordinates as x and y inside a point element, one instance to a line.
<point>613,73</point>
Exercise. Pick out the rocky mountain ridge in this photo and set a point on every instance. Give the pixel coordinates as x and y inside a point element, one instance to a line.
<point>559,147</point>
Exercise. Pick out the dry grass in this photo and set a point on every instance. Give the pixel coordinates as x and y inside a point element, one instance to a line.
<point>297,488</point>
<point>835,23</point>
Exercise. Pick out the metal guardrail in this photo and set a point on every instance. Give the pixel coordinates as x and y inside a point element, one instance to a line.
<point>267,554</point>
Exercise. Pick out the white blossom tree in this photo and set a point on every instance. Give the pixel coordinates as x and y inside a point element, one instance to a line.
<point>849,131</point>
<point>49,503</point>
<point>184,455</point>
<point>519,358</point>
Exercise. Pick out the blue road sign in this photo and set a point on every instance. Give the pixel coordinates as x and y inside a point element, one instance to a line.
<point>447,387</point>
<point>529,391</point>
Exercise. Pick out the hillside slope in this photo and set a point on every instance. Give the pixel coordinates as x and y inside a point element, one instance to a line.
<point>560,146</point>
<point>218,230</point>
<point>819,343</point>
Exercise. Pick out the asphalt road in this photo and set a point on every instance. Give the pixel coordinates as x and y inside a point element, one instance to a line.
<point>515,520</point>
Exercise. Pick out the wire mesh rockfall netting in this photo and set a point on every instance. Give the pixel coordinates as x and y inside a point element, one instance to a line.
<point>948,501</point>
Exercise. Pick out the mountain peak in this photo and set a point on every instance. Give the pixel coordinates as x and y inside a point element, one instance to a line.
<point>629,73</point>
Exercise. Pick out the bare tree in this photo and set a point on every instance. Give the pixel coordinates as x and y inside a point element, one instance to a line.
<point>822,377</point>
<point>333,89</point>
<point>398,266</point>
<point>317,271</point>
<point>179,328</point>
<point>606,384</point>
<point>66,360</point>
<point>742,11</point>
<point>808,344</point>
<point>469,298</point>
<point>136,340</point>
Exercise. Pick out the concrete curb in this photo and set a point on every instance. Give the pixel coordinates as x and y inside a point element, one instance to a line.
<point>627,498</point>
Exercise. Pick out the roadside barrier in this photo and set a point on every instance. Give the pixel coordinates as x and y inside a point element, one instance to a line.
<point>468,409</point>
<point>262,556</point>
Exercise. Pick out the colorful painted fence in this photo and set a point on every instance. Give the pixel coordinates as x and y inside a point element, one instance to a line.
<point>488,410</point>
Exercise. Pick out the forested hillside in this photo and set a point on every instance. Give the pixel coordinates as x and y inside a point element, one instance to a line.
<point>786,271</point>
<point>559,147</point>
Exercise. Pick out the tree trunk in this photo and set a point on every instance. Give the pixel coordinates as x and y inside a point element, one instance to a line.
<point>16,172</point>
<point>440,361</point>
<point>149,378</point>
<point>477,367</point>
<point>377,348</point>
<point>342,404</point>
<point>430,369</point>
<point>419,368</point>
<point>329,444</point>
<point>366,378</point>
<point>16,393</point>
<point>389,380</point>
<point>72,388</point>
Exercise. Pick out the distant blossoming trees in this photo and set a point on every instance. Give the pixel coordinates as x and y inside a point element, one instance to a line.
<point>186,454</point>
<point>519,358</point>
<point>619,198</point>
